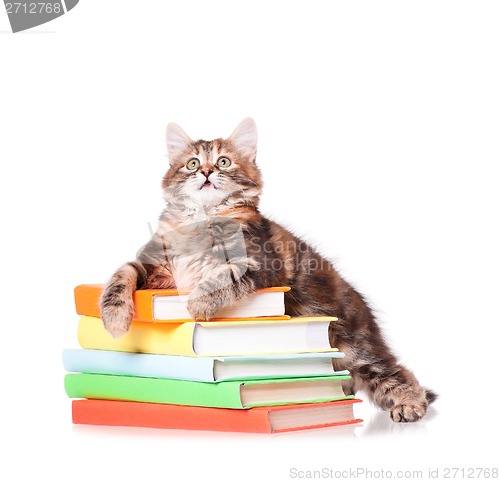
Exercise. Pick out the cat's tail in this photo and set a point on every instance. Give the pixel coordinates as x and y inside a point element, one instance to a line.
<point>430,396</point>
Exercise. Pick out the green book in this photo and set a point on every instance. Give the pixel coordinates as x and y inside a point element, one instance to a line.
<point>228,394</point>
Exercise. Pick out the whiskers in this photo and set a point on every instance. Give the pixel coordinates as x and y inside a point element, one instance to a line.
<point>182,188</point>
<point>244,181</point>
<point>239,186</point>
<point>240,191</point>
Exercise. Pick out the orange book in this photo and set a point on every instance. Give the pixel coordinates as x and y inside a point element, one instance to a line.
<point>282,418</point>
<point>171,305</point>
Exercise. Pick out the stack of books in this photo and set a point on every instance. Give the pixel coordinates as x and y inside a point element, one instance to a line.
<point>251,369</point>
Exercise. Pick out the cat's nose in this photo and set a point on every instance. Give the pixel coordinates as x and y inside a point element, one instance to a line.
<point>206,171</point>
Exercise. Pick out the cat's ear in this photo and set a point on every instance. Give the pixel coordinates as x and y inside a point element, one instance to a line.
<point>177,141</point>
<point>244,138</point>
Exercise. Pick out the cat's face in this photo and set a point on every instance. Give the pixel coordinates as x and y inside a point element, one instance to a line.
<point>212,172</point>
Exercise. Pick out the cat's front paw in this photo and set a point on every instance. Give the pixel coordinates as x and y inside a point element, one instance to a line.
<point>117,311</point>
<point>202,307</point>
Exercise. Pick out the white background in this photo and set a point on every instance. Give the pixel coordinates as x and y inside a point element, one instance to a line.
<point>379,143</point>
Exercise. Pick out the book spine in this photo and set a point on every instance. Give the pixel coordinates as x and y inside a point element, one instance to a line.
<point>87,300</point>
<point>142,337</point>
<point>143,303</point>
<point>155,415</point>
<point>155,390</point>
<point>139,365</point>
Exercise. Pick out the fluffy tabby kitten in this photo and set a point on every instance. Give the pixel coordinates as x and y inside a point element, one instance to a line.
<point>213,240</point>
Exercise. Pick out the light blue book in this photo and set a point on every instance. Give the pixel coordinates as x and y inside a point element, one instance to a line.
<point>201,369</point>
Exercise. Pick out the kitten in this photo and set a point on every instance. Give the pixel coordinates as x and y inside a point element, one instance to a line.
<point>213,240</point>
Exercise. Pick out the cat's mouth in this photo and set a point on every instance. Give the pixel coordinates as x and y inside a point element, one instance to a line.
<point>207,184</point>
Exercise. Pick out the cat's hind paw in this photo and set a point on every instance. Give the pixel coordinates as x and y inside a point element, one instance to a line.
<point>408,412</point>
<point>412,408</point>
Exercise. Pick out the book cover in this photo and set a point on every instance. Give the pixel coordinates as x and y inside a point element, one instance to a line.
<point>202,369</point>
<point>255,420</point>
<point>148,303</point>
<point>229,394</point>
<point>301,334</point>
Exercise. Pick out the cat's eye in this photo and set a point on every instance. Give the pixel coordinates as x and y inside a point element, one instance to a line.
<point>223,162</point>
<point>193,164</point>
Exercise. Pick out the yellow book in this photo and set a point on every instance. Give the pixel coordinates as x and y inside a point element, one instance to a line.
<point>197,338</point>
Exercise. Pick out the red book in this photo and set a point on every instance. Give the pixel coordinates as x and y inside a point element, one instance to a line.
<point>274,419</point>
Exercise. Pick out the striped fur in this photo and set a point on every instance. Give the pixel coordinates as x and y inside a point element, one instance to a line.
<point>213,240</point>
